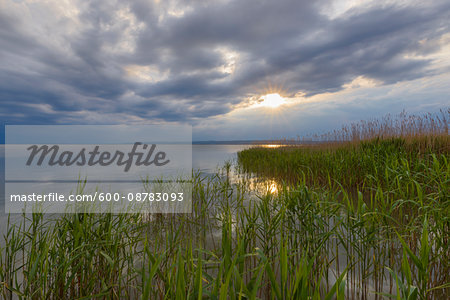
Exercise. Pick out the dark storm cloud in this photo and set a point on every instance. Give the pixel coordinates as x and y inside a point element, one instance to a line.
<point>289,43</point>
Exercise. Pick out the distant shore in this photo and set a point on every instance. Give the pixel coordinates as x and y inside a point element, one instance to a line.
<point>258,142</point>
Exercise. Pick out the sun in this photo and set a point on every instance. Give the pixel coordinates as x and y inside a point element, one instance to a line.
<point>272,100</point>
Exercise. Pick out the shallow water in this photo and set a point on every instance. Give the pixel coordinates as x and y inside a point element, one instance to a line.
<point>205,158</point>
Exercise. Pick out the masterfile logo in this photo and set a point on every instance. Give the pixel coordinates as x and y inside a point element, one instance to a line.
<point>53,155</point>
<point>116,164</point>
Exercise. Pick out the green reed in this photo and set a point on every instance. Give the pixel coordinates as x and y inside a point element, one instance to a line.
<point>225,249</point>
<point>394,205</point>
<point>355,221</point>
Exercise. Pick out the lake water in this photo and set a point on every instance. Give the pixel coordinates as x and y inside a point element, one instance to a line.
<point>205,158</point>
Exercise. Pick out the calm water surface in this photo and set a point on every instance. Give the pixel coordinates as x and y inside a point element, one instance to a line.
<point>205,158</point>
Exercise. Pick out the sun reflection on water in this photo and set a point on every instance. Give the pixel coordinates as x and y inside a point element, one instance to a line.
<point>272,188</point>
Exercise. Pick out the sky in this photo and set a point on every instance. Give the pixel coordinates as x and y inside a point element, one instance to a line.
<point>234,70</point>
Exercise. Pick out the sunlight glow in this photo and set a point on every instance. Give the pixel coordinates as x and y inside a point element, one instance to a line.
<point>271,146</point>
<point>272,100</point>
<point>272,188</point>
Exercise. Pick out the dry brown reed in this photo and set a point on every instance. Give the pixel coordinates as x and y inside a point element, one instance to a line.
<point>402,125</point>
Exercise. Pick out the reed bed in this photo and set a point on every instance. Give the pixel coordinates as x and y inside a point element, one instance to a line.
<point>359,220</point>
<point>391,178</point>
<point>227,248</point>
<point>403,125</point>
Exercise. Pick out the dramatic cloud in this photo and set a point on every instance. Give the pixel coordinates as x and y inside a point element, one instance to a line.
<point>204,61</point>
